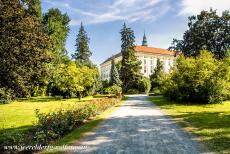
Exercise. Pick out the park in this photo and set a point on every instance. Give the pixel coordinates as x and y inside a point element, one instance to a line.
<point>63,91</point>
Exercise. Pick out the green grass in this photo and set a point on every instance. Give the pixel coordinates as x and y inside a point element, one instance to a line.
<point>211,122</point>
<point>19,115</point>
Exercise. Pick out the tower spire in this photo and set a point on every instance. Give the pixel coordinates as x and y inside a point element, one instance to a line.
<point>144,42</point>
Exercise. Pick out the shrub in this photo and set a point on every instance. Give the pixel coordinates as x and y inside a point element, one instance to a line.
<point>6,95</point>
<point>144,85</point>
<point>56,124</point>
<point>116,90</point>
<point>202,80</point>
<point>132,91</point>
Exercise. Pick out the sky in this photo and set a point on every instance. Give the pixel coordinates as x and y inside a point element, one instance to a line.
<point>161,20</point>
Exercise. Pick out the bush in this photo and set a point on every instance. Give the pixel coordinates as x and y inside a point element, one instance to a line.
<point>6,95</point>
<point>56,124</point>
<point>133,91</point>
<point>202,80</point>
<point>116,90</point>
<point>144,85</point>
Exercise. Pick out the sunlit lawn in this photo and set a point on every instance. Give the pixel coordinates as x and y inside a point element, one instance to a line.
<point>211,123</point>
<point>19,115</point>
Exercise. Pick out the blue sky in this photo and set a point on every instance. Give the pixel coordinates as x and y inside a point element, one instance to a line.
<point>162,20</point>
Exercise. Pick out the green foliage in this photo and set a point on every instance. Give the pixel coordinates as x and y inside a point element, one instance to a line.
<point>56,25</point>
<point>144,85</point>
<point>116,90</point>
<point>202,80</point>
<point>157,76</point>
<point>130,66</point>
<point>206,31</point>
<point>34,8</point>
<point>82,53</point>
<point>115,77</point>
<point>6,95</point>
<point>71,80</point>
<point>56,124</point>
<point>24,48</point>
<point>132,91</point>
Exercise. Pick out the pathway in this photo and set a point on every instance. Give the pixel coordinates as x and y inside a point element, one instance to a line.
<point>139,127</point>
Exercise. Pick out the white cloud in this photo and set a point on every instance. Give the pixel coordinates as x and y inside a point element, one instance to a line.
<point>125,10</point>
<point>193,7</point>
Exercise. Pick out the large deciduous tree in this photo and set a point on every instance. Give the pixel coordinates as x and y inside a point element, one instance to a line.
<point>206,31</point>
<point>56,25</point>
<point>82,53</point>
<point>130,66</point>
<point>24,48</point>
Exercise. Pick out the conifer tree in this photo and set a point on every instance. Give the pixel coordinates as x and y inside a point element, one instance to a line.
<point>130,66</point>
<point>82,53</point>
<point>157,75</point>
<point>115,78</point>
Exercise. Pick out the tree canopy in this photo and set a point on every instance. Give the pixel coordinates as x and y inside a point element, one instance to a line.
<point>24,48</point>
<point>82,53</point>
<point>56,25</point>
<point>130,65</point>
<point>205,31</point>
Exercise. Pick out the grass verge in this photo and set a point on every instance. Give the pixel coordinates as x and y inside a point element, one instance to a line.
<point>73,137</point>
<point>19,116</point>
<point>211,122</point>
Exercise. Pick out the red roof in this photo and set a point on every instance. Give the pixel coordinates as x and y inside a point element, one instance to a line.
<point>153,50</point>
<point>145,49</point>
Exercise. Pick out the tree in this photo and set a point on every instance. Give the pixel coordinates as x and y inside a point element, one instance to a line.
<point>156,77</point>
<point>56,25</point>
<point>115,77</point>
<point>130,66</point>
<point>70,80</point>
<point>34,8</point>
<point>24,48</point>
<point>206,31</point>
<point>201,79</point>
<point>82,53</point>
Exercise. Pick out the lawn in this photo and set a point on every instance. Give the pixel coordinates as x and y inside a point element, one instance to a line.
<point>20,116</point>
<point>211,122</point>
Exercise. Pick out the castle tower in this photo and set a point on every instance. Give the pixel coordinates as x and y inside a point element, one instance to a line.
<point>144,42</point>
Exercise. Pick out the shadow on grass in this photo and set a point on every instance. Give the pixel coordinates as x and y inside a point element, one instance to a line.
<point>6,134</point>
<point>40,99</point>
<point>212,126</point>
<point>49,99</point>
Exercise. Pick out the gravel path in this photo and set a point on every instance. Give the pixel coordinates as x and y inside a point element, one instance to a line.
<point>138,127</point>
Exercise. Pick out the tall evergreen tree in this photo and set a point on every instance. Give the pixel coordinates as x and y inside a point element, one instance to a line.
<point>82,53</point>
<point>115,77</point>
<point>130,66</point>
<point>156,77</point>
<point>56,25</point>
<point>24,47</point>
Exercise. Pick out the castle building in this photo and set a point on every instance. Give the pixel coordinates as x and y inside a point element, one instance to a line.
<point>148,57</point>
